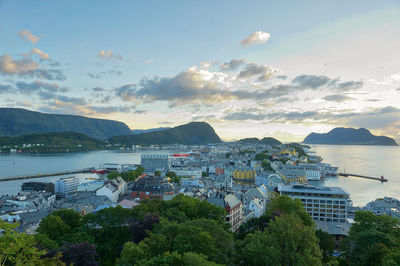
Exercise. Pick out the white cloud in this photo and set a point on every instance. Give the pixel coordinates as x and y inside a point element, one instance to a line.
<point>258,37</point>
<point>108,54</point>
<point>28,36</point>
<point>22,66</point>
<point>40,53</point>
<point>149,61</point>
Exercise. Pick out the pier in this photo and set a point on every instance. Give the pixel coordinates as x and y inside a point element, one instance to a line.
<point>382,179</point>
<point>13,178</point>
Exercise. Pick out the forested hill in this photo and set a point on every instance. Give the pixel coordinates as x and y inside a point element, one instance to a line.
<point>349,136</point>
<point>52,141</point>
<point>16,122</point>
<point>189,134</point>
<point>266,141</point>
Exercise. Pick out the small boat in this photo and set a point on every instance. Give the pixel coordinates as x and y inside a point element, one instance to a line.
<point>99,171</point>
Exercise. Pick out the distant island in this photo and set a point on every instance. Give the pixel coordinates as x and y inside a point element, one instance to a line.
<point>349,136</point>
<point>189,134</point>
<point>266,141</point>
<point>16,122</point>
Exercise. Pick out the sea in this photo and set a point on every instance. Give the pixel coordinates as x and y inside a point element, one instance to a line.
<point>363,160</point>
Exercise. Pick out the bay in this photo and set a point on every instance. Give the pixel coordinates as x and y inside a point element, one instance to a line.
<point>16,164</point>
<point>363,160</point>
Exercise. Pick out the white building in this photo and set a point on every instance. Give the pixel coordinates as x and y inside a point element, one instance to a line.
<point>113,189</point>
<point>66,186</point>
<point>322,203</point>
<point>192,172</point>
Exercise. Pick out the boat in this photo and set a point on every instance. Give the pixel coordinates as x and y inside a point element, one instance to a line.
<point>99,171</point>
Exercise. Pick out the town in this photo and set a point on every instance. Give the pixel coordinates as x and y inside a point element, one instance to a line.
<point>239,177</point>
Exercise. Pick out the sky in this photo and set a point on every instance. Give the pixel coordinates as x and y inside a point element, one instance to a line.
<point>248,68</point>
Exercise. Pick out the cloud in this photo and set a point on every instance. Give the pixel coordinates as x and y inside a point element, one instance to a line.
<point>23,66</point>
<point>149,61</point>
<point>311,81</point>
<point>103,54</point>
<point>252,69</point>
<point>5,88</point>
<point>337,98</point>
<point>28,88</point>
<point>40,53</point>
<point>258,37</point>
<point>102,74</point>
<point>233,64</point>
<point>27,67</point>
<point>28,36</point>
<point>349,85</point>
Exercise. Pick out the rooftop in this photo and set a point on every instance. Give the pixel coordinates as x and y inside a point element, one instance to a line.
<point>312,189</point>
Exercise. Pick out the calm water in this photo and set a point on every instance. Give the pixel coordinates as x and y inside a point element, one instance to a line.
<point>25,164</point>
<point>364,160</point>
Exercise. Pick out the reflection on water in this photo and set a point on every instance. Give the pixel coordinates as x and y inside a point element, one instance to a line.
<point>364,160</point>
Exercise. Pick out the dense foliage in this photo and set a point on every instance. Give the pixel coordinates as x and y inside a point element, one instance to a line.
<point>187,231</point>
<point>127,176</point>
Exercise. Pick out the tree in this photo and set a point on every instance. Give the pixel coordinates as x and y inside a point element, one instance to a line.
<point>131,253</point>
<point>261,156</point>
<point>266,165</point>
<point>286,205</point>
<point>371,239</point>
<point>80,254</point>
<point>257,248</point>
<point>326,243</point>
<point>69,217</point>
<point>54,227</point>
<point>157,173</point>
<point>20,248</point>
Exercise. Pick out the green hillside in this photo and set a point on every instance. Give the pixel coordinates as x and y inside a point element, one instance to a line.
<point>189,134</point>
<point>53,141</point>
<point>16,122</point>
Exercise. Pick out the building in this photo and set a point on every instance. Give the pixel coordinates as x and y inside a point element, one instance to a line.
<point>322,203</point>
<point>292,173</point>
<point>113,189</point>
<point>233,209</point>
<point>243,174</point>
<point>153,162</point>
<point>66,187</point>
<point>151,187</point>
<point>187,172</point>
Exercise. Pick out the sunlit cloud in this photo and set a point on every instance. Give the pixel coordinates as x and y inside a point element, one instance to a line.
<point>28,36</point>
<point>258,37</point>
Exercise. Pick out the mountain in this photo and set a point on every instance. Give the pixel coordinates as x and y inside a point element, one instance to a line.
<point>141,131</point>
<point>15,122</point>
<point>52,141</point>
<point>349,136</point>
<point>189,134</point>
<point>266,141</point>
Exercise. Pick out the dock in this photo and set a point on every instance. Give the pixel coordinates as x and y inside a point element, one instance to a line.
<point>13,178</point>
<point>382,179</point>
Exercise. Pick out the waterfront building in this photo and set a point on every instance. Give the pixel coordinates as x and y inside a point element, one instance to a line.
<point>322,203</point>
<point>292,174</point>
<point>153,162</point>
<point>66,187</point>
